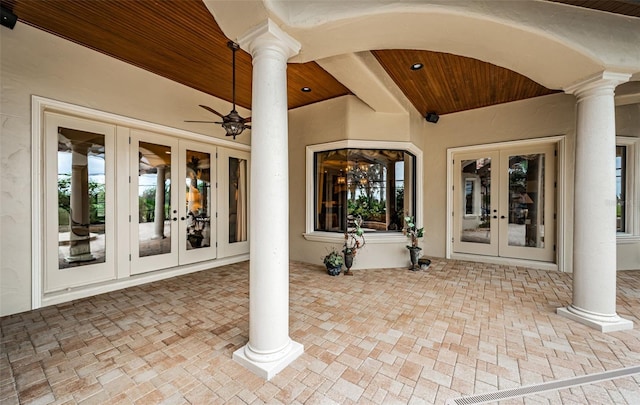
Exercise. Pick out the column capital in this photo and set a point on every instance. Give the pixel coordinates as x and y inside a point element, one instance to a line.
<point>268,34</point>
<point>603,81</point>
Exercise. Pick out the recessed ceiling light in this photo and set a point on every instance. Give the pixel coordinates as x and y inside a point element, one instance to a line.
<point>306,89</point>
<point>417,66</point>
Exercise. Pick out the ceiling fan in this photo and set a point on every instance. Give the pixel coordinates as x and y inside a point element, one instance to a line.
<point>232,123</point>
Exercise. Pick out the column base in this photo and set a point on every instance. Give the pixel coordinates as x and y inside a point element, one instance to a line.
<point>268,369</point>
<point>603,323</point>
<point>85,257</point>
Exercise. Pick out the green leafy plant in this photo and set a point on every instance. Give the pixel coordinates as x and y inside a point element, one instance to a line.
<point>412,231</point>
<point>333,259</point>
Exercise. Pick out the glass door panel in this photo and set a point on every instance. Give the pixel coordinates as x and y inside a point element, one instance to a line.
<point>237,200</point>
<point>198,213</point>
<point>475,211</point>
<point>154,212</point>
<point>198,191</point>
<point>154,200</point>
<point>79,204</point>
<point>81,198</point>
<point>528,199</point>
<point>233,178</point>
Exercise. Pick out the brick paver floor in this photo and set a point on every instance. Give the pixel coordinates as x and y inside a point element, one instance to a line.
<point>378,337</point>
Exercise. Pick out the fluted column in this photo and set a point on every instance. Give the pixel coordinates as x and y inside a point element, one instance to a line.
<point>269,349</point>
<point>594,234</point>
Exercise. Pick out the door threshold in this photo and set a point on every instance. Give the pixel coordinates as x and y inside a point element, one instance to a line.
<point>508,261</point>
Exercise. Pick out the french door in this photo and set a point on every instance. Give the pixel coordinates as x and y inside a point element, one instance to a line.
<point>79,202</point>
<point>118,201</point>
<point>504,203</point>
<point>172,202</point>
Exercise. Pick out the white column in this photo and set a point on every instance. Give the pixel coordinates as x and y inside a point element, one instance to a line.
<point>594,234</point>
<point>158,221</point>
<point>269,349</point>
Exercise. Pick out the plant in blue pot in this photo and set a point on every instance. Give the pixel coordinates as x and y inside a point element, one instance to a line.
<point>333,261</point>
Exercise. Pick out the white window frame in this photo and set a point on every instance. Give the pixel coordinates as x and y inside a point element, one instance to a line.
<point>334,237</point>
<point>632,190</point>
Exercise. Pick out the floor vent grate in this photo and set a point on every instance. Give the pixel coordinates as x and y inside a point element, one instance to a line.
<point>544,387</point>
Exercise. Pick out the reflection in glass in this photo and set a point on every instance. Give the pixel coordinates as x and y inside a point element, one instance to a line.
<point>237,200</point>
<point>470,197</point>
<point>81,198</point>
<point>476,183</point>
<point>154,202</point>
<point>526,200</point>
<point>621,182</point>
<point>377,185</point>
<point>198,191</point>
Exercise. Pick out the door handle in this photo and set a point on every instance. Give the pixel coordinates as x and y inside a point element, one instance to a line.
<point>502,217</point>
<point>495,217</point>
<point>182,218</point>
<point>175,219</point>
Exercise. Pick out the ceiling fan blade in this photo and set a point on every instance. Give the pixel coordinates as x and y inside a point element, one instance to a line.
<point>247,126</point>
<point>248,119</point>
<point>209,122</point>
<point>212,110</point>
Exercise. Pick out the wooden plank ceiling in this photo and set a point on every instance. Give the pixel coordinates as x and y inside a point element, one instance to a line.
<point>181,41</point>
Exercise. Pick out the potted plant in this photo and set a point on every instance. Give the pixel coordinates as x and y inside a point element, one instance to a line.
<point>353,240</point>
<point>333,260</point>
<point>414,233</point>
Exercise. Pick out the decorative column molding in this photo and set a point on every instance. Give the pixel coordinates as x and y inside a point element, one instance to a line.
<point>594,235</point>
<point>270,349</point>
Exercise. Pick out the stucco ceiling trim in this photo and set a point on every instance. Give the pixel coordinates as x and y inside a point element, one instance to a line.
<point>553,44</point>
<point>353,71</point>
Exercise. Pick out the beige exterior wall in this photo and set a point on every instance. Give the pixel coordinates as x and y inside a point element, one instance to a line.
<point>344,118</point>
<point>37,63</point>
<point>528,119</point>
<point>347,118</point>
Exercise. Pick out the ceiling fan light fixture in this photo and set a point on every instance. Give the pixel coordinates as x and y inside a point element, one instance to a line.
<point>232,123</point>
<point>233,128</point>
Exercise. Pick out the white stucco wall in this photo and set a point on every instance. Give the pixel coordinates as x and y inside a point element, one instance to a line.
<point>37,63</point>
